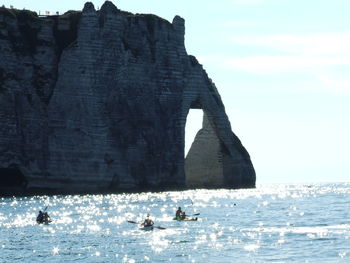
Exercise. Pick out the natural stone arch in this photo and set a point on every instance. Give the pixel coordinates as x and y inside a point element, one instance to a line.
<point>112,113</point>
<point>216,158</point>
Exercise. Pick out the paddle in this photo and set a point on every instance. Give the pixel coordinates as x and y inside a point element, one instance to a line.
<point>159,227</point>
<point>133,222</point>
<point>193,215</point>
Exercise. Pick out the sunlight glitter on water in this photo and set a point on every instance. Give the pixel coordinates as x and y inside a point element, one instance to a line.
<point>251,224</point>
<point>55,250</point>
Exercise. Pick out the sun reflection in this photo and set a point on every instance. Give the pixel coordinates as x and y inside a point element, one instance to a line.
<point>212,237</point>
<point>55,250</point>
<point>96,225</point>
<point>128,260</point>
<point>280,241</point>
<point>251,247</point>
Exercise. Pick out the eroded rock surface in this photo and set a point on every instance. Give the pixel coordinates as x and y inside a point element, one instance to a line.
<point>97,101</point>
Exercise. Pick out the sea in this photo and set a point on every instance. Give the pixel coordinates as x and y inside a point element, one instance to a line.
<point>272,223</point>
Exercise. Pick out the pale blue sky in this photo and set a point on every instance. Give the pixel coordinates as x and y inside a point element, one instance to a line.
<point>282,69</point>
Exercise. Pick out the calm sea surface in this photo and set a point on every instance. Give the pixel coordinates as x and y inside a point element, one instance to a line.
<point>273,223</point>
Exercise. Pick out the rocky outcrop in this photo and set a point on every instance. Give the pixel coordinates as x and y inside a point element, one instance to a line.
<point>97,101</point>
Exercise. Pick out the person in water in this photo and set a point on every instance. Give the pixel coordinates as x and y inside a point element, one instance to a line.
<point>148,221</point>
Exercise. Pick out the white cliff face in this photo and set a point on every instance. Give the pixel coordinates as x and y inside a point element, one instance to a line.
<point>98,100</point>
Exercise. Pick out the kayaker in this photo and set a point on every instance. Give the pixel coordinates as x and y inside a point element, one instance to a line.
<point>147,222</point>
<point>46,217</point>
<point>40,217</point>
<point>178,213</point>
<point>43,217</point>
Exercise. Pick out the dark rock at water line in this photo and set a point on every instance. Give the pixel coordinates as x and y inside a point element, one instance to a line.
<point>97,101</point>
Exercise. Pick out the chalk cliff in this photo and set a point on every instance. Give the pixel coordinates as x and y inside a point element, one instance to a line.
<point>97,101</point>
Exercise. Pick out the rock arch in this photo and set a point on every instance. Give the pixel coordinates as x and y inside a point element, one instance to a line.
<point>227,163</point>
<point>104,107</point>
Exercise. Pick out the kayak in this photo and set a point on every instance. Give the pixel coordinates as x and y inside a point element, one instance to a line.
<point>186,219</point>
<point>146,228</point>
<point>45,222</point>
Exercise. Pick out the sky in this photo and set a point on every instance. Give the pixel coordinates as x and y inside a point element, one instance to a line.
<point>282,70</point>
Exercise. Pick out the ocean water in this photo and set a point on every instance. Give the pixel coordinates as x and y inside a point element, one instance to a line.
<point>273,223</point>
